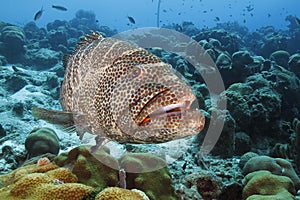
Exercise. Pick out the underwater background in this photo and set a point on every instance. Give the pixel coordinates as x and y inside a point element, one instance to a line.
<point>255,46</point>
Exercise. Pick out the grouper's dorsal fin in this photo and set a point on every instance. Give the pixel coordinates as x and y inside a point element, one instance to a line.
<point>89,38</point>
<point>65,60</point>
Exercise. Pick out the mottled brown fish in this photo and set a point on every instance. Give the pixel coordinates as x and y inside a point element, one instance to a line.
<point>118,90</point>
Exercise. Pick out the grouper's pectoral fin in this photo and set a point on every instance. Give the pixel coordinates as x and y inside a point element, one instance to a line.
<point>61,118</point>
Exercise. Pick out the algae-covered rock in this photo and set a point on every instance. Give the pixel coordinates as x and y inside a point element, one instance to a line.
<point>41,141</point>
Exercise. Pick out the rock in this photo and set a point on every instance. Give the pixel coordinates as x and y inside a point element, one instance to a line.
<point>14,83</point>
<point>57,37</point>
<point>223,61</point>
<point>2,131</point>
<point>3,61</point>
<point>241,58</point>
<point>242,143</point>
<point>44,58</point>
<point>244,158</point>
<point>281,58</point>
<point>231,191</point>
<point>225,144</point>
<point>206,183</point>
<point>294,64</point>
<point>18,109</point>
<point>41,141</point>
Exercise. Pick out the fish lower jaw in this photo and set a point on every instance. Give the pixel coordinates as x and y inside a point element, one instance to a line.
<point>167,111</point>
<point>171,110</point>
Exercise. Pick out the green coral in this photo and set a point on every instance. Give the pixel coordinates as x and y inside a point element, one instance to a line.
<point>263,185</point>
<point>156,184</point>
<point>277,166</point>
<point>87,167</point>
<point>41,141</point>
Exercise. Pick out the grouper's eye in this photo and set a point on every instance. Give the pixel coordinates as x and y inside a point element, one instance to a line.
<point>136,71</point>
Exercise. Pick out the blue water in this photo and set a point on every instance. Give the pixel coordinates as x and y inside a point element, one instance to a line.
<point>113,13</point>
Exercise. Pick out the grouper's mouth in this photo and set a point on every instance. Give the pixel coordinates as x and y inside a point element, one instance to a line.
<point>151,110</point>
<point>167,111</point>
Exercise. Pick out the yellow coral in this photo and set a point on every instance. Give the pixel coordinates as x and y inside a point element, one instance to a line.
<point>63,175</point>
<point>14,176</point>
<point>51,183</point>
<point>25,186</point>
<point>72,191</point>
<point>121,194</point>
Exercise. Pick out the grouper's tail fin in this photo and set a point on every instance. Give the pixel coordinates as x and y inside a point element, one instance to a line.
<point>61,118</point>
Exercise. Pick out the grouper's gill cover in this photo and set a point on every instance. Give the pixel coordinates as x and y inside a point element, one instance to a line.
<point>118,90</point>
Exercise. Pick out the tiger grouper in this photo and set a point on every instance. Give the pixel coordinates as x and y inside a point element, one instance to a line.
<point>121,92</point>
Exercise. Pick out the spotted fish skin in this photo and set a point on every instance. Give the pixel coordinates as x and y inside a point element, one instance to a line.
<point>122,92</point>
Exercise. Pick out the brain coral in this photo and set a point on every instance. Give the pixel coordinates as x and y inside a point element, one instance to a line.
<point>89,170</point>
<point>121,194</point>
<point>262,185</point>
<point>13,40</point>
<point>148,182</point>
<point>42,183</point>
<point>41,141</point>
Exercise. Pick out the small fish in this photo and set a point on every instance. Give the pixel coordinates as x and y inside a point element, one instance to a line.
<point>269,15</point>
<point>184,166</point>
<point>61,8</point>
<point>297,21</point>
<point>121,92</point>
<point>131,19</point>
<point>204,11</point>
<point>164,10</point>
<point>38,14</point>
<point>217,19</point>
